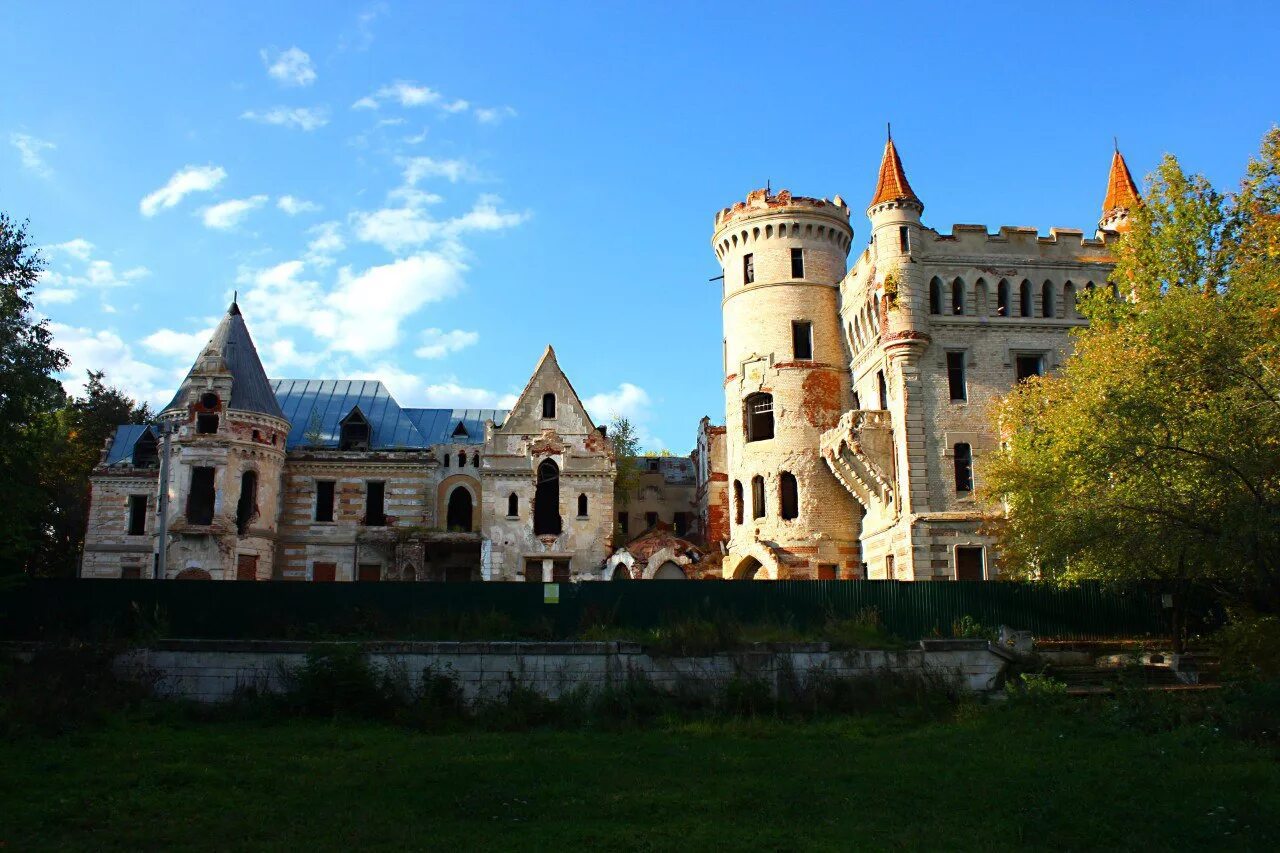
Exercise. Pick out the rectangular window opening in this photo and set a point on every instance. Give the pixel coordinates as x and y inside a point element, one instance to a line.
<point>904,238</point>
<point>964,468</point>
<point>1028,366</point>
<point>324,500</point>
<point>797,263</point>
<point>970,563</point>
<point>324,572</point>
<point>748,269</point>
<point>137,515</point>
<point>956,377</point>
<point>200,498</point>
<point>802,339</point>
<point>206,424</point>
<point>650,520</point>
<point>682,523</point>
<point>375,514</point>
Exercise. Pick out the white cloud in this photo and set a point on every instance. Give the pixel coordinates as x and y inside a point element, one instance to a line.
<point>293,205</point>
<point>78,248</point>
<point>290,67</point>
<point>228,214</point>
<point>185,181</point>
<point>494,115</point>
<point>398,228</point>
<point>417,168</point>
<point>406,387</point>
<point>32,152</point>
<point>56,295</point>
<point>631,402</point>
<point>438,344</point>
<point>74,269</point>
<point>362,38</point>
<point>326,241</point>
<point>450,394</point>
<point>407,93</point>
<point>106,351</point>
<point>302,118</point>
<point>178,344</point>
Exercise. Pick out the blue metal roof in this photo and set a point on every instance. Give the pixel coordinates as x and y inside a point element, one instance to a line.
<point>392,427</point>
<point>126,437</point>
<point>439,426</point>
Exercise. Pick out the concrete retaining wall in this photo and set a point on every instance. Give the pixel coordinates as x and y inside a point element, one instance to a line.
<point>212,671</point>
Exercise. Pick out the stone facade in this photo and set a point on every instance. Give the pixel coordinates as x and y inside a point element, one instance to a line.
<point>885,420</point>
<point>665,492</point>
<point>348,485</point>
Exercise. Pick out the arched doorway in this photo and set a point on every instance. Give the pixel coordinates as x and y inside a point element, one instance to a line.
<point>458,517</point>
<point>193,575</point>
<point>749,569</point>
<point>546,500</point>
<point>669,571</point>
<point>620,573</point>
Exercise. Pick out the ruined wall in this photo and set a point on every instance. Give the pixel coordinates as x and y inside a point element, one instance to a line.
<point>347,541</point>
<point>809,395</point>
<point>712,489</point>
<point>659,492</point>
<point>109,550</point>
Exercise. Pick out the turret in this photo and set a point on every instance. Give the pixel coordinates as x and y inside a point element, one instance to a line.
<point>783,257</point>
<point>227,461</point>
<point>900,295</point>
<point>1121,198</point>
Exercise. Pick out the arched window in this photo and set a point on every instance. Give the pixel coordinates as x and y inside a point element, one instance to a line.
<point>582,506</point>
<point>737,501</point>
<point>513,505</point>
<point>146,451</point>
<point>546,500</point>
<point>459,512</point>
<point>980,297</point>
<point>1002,299</point>
<point>957,297</point>
<point>789,503</point>
<point>935,296</point>
<point>620,573</point>
<point>1024,299</point>
<point>548,405</point>
<point>669,571</point>
<point>475,460</point>
<point>883,387</point>
<point>447,457</point>
<point>1047,308</point>
<point>462,459</point>
<point>757,496</point>
<point>247,506</point>
<point>1069,301</point>
<point>758,416</point>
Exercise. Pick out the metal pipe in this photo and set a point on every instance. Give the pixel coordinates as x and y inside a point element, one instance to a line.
<point>162,505</point>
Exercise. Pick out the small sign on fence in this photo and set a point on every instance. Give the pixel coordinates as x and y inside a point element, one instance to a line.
<point>551,593</point>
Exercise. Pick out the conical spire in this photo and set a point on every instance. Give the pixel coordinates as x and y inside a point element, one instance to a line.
<point>1122,192</point>
<point>231,350</point>
<point>892,184</point>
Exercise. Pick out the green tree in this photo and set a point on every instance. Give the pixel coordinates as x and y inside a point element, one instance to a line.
<point>28,394</point>
<point>1155,452</point>
<point>626,446</point>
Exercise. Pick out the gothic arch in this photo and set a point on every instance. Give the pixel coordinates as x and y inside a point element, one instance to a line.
<point>758,562</point>
<point>445,490</point>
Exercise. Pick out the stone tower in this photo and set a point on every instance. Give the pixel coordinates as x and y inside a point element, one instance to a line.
<point>786,382</point>
<point>227,462</point>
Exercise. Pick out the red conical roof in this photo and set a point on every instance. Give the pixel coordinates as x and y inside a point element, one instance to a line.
<point>1122,192</point>
<point>892,184</point>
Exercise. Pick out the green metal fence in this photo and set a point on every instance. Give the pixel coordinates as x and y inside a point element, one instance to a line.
<point>41,609</point>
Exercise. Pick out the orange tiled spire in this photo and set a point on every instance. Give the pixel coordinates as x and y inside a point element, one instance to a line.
<point>1122,192</point>
<point>892,184</point>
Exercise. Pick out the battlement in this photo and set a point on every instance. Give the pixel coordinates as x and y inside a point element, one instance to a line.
<point>761,202</point>
<point>978,239</point>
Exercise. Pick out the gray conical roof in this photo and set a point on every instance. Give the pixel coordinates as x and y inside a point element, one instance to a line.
<point>250,389</point>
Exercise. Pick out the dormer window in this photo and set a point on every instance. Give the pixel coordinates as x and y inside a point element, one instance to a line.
<point>548,405</point>
<point>206,424</point>
<point>145,452</point>
<point>209,400</point>
<point>354,434</point>
<point>460,431</point>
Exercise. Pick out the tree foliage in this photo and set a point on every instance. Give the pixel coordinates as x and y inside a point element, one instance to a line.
<point>626,446</point>
<point>1155,452</point>
<point>28,393</point>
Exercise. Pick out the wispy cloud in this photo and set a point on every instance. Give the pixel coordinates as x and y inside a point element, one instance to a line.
<point>407,93</point>
<point>418,168</point>
<point>290,67</point>
<point>185,181</point>
<point>494,115</point>
<point>399,228</point>
<point>74,269</point>
<point>451,394</point>
<point>326,242</point>
<point>437,343</point>
<point>302,118</point>
<point>293,205</point>
<point>362,37</point>
<point>32,151</point>
<point>228,214</point>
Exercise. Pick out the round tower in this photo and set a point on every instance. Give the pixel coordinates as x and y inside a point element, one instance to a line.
<point>226,465</point>
<point>901,298</point>
<point>786,382</point>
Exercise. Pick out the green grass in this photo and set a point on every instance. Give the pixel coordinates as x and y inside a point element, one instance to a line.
<point>988,779</point>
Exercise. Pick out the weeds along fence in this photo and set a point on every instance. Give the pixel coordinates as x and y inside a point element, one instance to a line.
<point>46,608</point>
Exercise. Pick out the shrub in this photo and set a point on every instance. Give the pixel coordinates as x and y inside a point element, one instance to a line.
<point>338,680</point>
<point>1250,646</point>
<point>746,697</point>
<point>1035,690</point>
<point>882,690</point>
<point>968,628</point>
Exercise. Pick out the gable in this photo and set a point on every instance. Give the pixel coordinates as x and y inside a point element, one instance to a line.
<point>571,417</point>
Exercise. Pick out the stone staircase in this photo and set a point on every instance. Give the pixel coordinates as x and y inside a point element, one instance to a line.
<point>1109,671</point>
<point>859,451</point>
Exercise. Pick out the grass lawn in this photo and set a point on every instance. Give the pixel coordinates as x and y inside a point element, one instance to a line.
<point>993,778</point>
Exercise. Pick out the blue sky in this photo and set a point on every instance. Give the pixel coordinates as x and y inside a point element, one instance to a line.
<point>431,193</point>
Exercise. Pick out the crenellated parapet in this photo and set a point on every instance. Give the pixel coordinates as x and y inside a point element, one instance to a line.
<point>859,451</point>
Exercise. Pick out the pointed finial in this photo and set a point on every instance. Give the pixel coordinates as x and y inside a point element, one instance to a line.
<point>234,308</point>
<point>1115,140</point>
<point>888,131</point>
